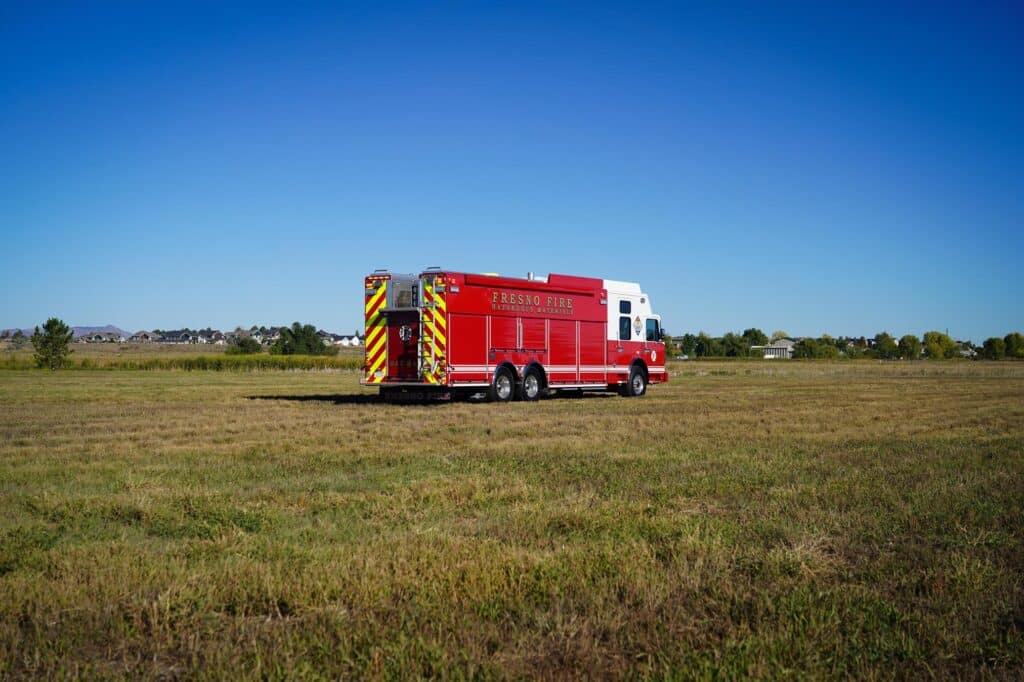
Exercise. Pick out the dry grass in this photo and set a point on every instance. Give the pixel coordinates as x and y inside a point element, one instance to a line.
<point>812,518</point>
<point>154,356</point>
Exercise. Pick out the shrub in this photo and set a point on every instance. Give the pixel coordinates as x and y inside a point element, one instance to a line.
<point>910,347</point>
<point>301,339</point>
<point>1014,343</point>
<point>994,348</point>
<point>244,345</point>
<point>885,346</point>
<point>938,345</point>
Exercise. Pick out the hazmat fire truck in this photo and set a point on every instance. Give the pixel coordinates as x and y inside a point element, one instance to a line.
<point>441,334</point>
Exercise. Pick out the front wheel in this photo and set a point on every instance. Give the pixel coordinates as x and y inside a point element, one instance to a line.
<point>637,384</point>
<point>503,386</point>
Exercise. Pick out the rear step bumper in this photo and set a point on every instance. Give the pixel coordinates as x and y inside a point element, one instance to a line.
<point>401,384</point>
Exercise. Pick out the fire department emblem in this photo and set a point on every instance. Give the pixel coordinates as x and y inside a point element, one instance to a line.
<point>638,325</point>
<point>405,333</point>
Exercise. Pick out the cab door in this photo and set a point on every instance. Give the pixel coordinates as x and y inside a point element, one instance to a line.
<point>627,345</point>
<point>652,340</point>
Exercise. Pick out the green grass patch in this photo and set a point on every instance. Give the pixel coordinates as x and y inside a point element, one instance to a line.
<point>818,520</point>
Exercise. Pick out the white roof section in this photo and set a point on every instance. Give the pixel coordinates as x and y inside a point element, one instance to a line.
<point>622,287</point>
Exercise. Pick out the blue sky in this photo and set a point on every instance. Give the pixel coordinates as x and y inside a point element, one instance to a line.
<point>801,166</point>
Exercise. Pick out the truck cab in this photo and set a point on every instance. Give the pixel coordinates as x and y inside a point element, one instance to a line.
<point>634,331</point>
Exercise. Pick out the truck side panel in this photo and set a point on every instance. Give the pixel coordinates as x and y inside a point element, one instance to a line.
<point>592,352</point>
<point>562,353</point>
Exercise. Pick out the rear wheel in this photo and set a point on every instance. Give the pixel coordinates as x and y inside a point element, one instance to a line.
<point>637,384</point>
<point>503,388</point>
<point>532,386</point>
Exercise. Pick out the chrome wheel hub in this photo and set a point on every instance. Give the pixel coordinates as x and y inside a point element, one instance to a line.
<point>504,386</point>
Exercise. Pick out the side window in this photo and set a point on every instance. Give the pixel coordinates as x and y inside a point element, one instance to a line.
<point>623,328</point>
<point>625,307</point>
<point>652,330</point>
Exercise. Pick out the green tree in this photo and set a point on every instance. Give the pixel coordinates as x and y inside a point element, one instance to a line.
<point>827,348</point>
<point>705,346</point>
<point>51,344</point>
<point>734,346</point>
<point>938,345</point>
<point>688,345</point>
<point>910,347</point>
<point>886,347</point>
<point>244,345</point>
<point>301,339</point>
<point>670,345</point>
<point>754,337</point>
<point>994,348</point>
<point>1014,343</point>
<point>807,349</point>
<point>779,334</point>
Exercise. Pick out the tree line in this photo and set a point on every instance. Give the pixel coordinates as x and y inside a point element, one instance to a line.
<point>299,339</point>
<point>933,345</point>
<point>52,343</point>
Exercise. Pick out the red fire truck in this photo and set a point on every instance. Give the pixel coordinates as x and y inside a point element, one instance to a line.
<point>443,333</point>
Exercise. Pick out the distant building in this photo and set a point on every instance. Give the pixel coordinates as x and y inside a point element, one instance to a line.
<point>178,336</point>
<point>781,349</point>
<point>103,337</point>
<point>345,341</point>
<point>144,337</point>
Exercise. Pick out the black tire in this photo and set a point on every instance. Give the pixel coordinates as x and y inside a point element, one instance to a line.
<point>532,387</point>
<point>637,384</point>
<point>503,388</point>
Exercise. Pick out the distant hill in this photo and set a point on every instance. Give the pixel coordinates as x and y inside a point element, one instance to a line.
<point>108,329</point>
<point>77,331</point>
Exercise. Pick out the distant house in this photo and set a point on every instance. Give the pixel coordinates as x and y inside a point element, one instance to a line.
<point>781,349</point>
<point>144,337</point>
<point>178,336</point>
<point>104,337</point>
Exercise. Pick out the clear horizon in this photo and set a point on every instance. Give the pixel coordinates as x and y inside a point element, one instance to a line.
<point>817,169</point>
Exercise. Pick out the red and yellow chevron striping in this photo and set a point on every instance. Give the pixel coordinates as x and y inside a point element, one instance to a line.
<point>434,331</point>
<point>376,331</point>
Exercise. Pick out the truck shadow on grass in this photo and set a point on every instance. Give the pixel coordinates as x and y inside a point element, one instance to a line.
<point>374,399</point>
<point>337,399</point>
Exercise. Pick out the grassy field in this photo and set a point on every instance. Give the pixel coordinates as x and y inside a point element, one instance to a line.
<point>748,519</point>
<point>159,356</point>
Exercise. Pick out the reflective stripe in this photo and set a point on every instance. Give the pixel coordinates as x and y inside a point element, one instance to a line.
<point>376,334</point>
<point>433,339</point>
